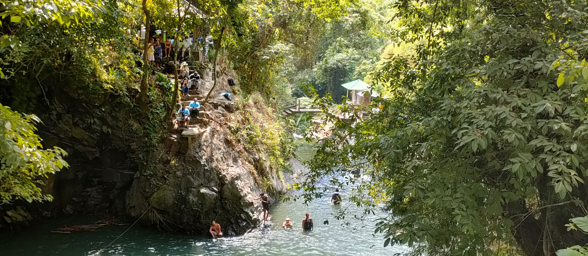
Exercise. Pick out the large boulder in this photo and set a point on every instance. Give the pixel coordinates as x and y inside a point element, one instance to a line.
<point>214,179</point>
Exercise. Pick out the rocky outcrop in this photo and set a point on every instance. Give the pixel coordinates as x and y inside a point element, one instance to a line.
<point>216,178</point>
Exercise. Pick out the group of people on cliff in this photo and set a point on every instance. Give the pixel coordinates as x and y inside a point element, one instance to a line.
<point>161,46</point>
<point>307,222</point>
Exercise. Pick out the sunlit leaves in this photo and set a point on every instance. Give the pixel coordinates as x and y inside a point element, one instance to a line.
<point>328,9</point>
<point>478,121</point>
<point>34,12</point>
<point>23,162</point>
<point>560,79</point>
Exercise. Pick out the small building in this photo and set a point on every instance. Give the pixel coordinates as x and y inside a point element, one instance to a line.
<point>361,93</point>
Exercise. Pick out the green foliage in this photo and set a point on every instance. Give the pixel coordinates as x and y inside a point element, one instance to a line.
<point>17,215</point>
<point>82,77</point>
<point>581,224</point>
<point>328,9</point>
<point>65,12</point>
<point>333,51</point>
<point>36,13</point>
<point>479,134</point>
<point>259,131</point>
<point>24,162</point>
<point>302,122</point>
<point>573,251</point>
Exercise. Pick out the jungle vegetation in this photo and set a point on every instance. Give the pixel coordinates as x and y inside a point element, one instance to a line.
<point>479,147</point>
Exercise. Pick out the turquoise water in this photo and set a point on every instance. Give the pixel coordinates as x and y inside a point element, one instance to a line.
<point>348,236</point>
<point>339,237</point>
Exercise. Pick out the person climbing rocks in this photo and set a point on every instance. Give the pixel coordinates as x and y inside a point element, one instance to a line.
<point>215,230</point>
<point>307,224</point>
<point>287,224</point>
<point>336,198</point>
<point>194,106</point>
<point>184,115</point>
<point>265,204</point>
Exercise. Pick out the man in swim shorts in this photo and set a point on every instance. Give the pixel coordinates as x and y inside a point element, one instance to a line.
<point>215,230</point>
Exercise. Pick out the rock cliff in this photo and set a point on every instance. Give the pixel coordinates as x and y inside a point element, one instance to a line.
<point>218,176</point>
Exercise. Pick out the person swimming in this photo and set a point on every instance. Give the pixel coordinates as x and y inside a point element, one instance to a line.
<point>287,224</point>
<point>336,198</point>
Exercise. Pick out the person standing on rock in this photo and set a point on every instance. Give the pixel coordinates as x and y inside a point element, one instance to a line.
<point>265,205</point>
<point>215,230</point>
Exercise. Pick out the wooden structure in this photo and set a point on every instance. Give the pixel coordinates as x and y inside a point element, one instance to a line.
<point>303,105</point>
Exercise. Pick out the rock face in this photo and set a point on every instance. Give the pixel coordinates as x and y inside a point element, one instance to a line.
<point>215,179</point>
<point>118,164</point>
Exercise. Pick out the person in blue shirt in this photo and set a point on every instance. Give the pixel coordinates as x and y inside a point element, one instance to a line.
<point>227,96</point>
<point>184,115</point>
<point>194,106</point>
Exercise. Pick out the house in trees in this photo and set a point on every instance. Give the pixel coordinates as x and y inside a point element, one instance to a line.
<point>361,93</point>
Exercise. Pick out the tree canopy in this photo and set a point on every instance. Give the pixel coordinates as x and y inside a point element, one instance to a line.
<point>478,148</point>
<point>481,146</point>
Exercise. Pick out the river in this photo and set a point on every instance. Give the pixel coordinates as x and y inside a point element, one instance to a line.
<point>348,236</point>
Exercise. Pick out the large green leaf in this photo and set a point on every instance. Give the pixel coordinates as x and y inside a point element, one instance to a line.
<point>581,222</point>
<point>15,19</point>
<point>561,78</point>
<point>569,252</point>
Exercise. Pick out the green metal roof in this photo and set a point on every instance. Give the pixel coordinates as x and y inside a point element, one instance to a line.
<point>356,85</point>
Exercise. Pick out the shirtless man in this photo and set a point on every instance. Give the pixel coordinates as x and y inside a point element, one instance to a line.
<point>215,230</point>
<point>265,205</point>
<point>287,224</point>
<point>307,224</point>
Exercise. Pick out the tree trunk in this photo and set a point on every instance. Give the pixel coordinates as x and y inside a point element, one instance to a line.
<point>176,82</point>
<point>146,68</point>
<point>216,49</point>
<point>527,231</point>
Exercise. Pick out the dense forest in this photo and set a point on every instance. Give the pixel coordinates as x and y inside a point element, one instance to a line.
<point>474,142</point>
